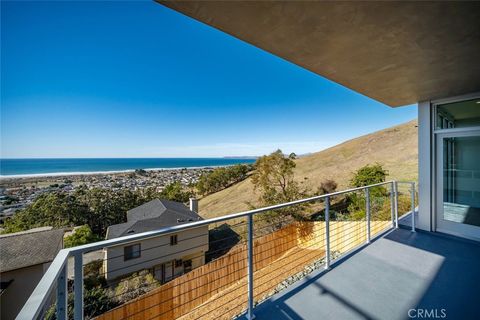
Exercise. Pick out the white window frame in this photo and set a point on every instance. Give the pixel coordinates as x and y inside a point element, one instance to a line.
<point>433,154</point>
<point>133,252</point>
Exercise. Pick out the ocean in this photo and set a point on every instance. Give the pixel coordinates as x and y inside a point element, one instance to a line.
<point>41,167</point>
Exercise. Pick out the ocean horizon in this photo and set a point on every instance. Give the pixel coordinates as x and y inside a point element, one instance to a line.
<point>69,166</point>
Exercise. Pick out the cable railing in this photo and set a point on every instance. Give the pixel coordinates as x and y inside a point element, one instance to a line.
<point>220,267</point>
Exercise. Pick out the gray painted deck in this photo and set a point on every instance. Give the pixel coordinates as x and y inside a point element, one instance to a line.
<point>400,271</point>
<point>406,219</point>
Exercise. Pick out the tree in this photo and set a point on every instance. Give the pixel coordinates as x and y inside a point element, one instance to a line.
<point>81,235</point>
<point>98,208</point>
<point>176,192</point>
<point>367,175</point>
<point>56,209</point>
<point>274,179</point>
<point>221,178</point>
<point>106,207</point>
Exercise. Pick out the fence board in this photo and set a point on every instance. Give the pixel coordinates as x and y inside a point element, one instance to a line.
<point>218,289</point>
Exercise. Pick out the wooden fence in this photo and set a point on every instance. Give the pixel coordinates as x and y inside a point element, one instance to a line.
<point>218,289</point>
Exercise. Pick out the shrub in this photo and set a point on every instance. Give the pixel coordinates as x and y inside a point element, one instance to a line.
<point>96,302</point>
<point>369,174</point>
<point>93,274</point>
<point>327,186</point>
<point>80,235</point>
<point>135,285</point>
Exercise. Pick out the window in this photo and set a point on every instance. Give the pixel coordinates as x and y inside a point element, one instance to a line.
<point>187,265</point>
<point>459,114</point>
<point>178,263</point>
<point>173,240</point>
<point>131,252</point>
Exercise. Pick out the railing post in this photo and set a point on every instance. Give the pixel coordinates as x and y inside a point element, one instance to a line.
<point>367,212</point>
<point>62,293</point>
<point>395,192</point>
<point>250,261</point>
<point>78,287</point>
<point>327,232</point>
<point>392,203</point>
<point>413,206</point>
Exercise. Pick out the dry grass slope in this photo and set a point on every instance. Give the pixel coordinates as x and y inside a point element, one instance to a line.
<point>396,148</point>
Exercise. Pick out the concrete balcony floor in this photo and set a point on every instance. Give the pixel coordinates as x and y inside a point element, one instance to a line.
<point>398,272</point>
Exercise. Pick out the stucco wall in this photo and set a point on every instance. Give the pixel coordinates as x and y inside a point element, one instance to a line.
<point>24,282</point>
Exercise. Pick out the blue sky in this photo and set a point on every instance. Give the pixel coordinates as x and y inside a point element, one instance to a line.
<point>124,79</point>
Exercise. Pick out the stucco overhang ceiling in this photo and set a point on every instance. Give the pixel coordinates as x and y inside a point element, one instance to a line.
<point>398,53</point>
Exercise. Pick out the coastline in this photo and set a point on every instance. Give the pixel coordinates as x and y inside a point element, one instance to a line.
<point>19,191</point>
<point>92,173</point>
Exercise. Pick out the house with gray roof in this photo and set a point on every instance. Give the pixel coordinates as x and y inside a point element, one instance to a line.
<point>24,258</point>
<point>166,256</point>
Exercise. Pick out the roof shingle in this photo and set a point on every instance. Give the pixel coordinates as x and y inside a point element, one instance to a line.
<point>153,215</point>
<point>28,248</point>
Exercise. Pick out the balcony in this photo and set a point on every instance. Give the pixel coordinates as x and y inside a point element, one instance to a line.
<point>401,272</point>
<point>262,262</point>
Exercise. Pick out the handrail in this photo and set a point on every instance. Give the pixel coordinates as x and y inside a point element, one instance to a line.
<point>39,296</point>
<point>167,230</point>
<point>36,302</point>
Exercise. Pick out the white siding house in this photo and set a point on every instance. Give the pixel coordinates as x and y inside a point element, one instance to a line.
<point>166,256</point>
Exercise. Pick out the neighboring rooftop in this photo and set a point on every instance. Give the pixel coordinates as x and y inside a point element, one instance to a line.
<point>153,215</point>
<point>29,248</point>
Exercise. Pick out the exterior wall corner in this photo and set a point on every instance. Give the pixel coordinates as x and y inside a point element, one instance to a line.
<point>425,188</point>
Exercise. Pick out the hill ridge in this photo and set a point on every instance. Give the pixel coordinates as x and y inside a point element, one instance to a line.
<point>396,148</point>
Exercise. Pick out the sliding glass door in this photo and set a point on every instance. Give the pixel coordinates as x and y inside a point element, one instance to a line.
<point>458,183</point>
<point>457,162</point>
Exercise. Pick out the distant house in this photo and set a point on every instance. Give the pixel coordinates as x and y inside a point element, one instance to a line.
<point>24,258</point>
<point>166,256</point>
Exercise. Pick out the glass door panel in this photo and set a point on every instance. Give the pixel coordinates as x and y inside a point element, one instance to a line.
<point>461,180</point>
<point>458,184</point>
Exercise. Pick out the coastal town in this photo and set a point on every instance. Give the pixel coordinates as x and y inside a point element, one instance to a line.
<point>18,192</point>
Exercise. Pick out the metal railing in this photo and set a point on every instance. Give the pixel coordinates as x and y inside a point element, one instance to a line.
<point>56,276</point>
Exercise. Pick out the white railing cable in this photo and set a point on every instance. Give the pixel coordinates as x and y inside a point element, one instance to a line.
<point>327,233</point>
<point>56,273</point>
<point>367,212</point>
<point>413,205</point>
